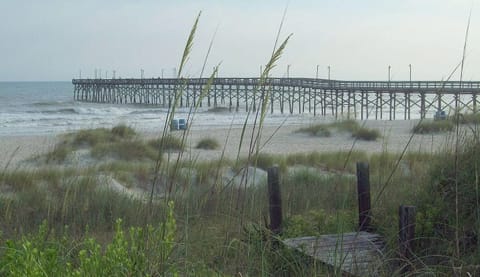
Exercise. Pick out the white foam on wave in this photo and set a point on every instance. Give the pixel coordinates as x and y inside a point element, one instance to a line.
<point>68,116</point>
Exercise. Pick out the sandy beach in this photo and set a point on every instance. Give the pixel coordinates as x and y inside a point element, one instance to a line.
<point>274,140</point>
<point>16,149</point>
<point>284,140</point>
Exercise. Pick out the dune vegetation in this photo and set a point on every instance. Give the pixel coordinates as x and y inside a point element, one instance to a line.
<point>349,126</point>
<point>135,208</point>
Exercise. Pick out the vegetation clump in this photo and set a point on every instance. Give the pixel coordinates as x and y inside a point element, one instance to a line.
<point>318,130</point>
<point>432,127</point>
<point>208,144</point>
<point>349,125</point>
<point>466,118</point>
<point>131,253</point>
<point>92,137</point>
<point>123,131</point>
<point>449,213</point>
<point>124,150</point>
<point>264,161</point>
<point>59,153</point>
<point>363,133</point>
<point>168,142</point>
<point>117,141</point>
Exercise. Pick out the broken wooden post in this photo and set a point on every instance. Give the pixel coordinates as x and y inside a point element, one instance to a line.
<point>406,230</point>
<point>363,187</point>
<point>274,200</point>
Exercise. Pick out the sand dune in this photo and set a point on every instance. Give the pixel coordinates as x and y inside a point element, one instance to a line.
<point>275,140</point>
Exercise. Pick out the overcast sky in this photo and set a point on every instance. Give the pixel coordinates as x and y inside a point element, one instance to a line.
<point>53,40</point>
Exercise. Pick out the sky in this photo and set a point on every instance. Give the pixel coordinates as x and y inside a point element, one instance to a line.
<point>56,40</point>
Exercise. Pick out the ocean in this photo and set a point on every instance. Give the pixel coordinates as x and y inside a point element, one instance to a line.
<point>39,108</point>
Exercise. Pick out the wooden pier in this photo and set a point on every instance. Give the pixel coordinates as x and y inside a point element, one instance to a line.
<point>352,99</point>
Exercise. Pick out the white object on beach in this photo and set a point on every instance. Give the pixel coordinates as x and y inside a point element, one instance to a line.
<point>178,124</point>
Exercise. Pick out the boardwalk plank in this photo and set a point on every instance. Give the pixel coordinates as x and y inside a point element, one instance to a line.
<point>357,253</point>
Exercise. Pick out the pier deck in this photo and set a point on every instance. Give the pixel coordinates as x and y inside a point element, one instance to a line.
<point>351,99</point>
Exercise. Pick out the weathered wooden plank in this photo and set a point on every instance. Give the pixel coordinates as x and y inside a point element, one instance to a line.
<point>357,253</point>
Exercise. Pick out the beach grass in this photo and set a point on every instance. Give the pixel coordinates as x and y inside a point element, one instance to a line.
<point>349,126</point>
<point>318,130</point>
<point>190,220</point>
<point>363,133</point>
<point>467,118</point>
<point>433,126</point>
<point>167,143</point>
<point>123,150</point>
<point>318,190</point>
<point>208,144</point>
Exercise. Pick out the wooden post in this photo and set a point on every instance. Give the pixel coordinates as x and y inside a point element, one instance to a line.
<point>274,200</point>
<point>363,187</point>
<point>422,106</point>
<point>406,230</point>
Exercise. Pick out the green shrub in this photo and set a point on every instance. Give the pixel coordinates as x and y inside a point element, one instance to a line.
<point>138,251</point>
<point>168,142</point>
<point>278,261</point>
<point>467,118</point>
<point>208,144</point>
<point>91,137</point>
<point>363,133</point>
<point>59,153</point>
<point>454,180</point>
<point>430,127</point>
<point>123,131</point>
<point>17,180</point>
<point>318,130</point>
<point>124,150</point>
<point>324,130</point>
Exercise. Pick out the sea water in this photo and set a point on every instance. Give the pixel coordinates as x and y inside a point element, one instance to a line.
<point>38,108</point>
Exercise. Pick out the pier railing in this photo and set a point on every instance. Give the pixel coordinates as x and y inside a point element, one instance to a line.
<point>320,96</point>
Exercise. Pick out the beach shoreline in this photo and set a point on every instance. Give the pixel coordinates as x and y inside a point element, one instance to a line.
<point>274,140</point>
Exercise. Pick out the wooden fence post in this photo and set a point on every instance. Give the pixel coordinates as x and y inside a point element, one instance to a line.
<point>363,188</point>
<point>406,230</point>
<point>274,200</point>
